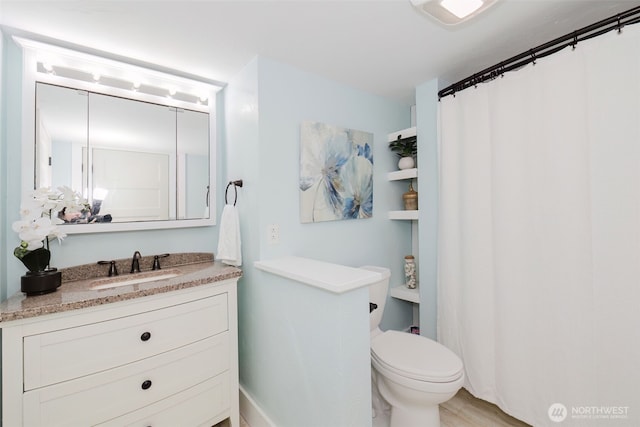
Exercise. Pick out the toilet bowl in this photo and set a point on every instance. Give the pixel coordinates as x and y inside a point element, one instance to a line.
<point>413,374</point>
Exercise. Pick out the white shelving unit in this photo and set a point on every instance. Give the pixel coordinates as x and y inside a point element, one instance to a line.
<point>401,291</point>
<point>410,215</point>
<point>399,176</point>
<point>404,293</point>
<point>403,174</point>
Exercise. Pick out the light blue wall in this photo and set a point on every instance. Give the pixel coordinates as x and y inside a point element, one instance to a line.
<point>3,166</point>
<point>265,105</point>
<point>427,125</point>
<point>76,249</point>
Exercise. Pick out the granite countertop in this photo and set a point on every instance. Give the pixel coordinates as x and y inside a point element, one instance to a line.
<point>193,269</point>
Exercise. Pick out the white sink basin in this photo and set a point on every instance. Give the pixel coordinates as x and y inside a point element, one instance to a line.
<point>133,279</point>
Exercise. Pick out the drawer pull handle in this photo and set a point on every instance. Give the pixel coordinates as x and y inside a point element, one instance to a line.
<point>146,385</point>
<point>145,336</point>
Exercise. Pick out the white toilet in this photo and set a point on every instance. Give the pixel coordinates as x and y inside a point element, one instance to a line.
<point>412,373</point>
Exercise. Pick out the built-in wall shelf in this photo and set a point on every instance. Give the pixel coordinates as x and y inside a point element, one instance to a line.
<point>402,134</point>
<point>403,174</point>
<point>406,294</point>
<point>406,215</point>
<point>401,292</point>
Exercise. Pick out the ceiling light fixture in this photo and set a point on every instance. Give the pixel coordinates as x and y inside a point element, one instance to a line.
<point>452,12</point>
<point>461,9</point>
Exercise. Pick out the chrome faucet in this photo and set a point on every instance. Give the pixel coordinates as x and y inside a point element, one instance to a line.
<point>135,262</point>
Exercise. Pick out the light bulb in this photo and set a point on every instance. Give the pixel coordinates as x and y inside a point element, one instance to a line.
<point>461,8</point>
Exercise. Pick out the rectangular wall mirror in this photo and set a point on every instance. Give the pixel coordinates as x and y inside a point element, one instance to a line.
<point>137,144</point>
<point>132,160</point>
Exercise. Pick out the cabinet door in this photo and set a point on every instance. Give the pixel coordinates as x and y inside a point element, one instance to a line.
<point>205,404</point>
<point>100,397</point>
<point>106,345</point>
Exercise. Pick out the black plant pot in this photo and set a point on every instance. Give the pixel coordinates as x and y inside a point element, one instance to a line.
<point>40,282</point>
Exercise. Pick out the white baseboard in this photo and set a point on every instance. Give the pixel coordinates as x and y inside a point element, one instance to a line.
<point>251,412</point>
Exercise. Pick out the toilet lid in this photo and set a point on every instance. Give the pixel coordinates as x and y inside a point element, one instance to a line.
<point>416,357</point>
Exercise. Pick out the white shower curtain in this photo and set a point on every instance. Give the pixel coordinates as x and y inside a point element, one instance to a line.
<point>539,236</point>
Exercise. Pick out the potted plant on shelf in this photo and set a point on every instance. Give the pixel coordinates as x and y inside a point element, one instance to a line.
<point>38,224</point>
<point>406,149</point>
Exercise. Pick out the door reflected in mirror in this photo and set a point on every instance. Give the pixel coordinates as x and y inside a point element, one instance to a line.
<point>132,160</point>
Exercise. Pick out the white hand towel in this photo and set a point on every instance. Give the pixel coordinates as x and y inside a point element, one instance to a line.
<point>229,251</point>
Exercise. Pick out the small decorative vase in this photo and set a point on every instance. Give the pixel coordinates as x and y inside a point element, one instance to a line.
<point>40,282</point>
<point>410,272</point>
<point>406,162</point>
<point>410,199</point>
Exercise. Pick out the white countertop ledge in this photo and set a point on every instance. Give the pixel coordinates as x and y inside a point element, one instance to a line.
<point>324,275</point>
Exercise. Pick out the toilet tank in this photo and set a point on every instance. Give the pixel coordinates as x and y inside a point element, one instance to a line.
<point>378,294</point>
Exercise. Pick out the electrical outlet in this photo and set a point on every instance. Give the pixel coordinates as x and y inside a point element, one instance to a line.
<point>273,234</point>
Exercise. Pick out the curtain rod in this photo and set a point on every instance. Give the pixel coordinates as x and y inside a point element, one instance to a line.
<point>616,22</point>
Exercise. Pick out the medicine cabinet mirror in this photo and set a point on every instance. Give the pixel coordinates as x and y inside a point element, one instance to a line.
<point>133,160</point>
<point>142,156</point>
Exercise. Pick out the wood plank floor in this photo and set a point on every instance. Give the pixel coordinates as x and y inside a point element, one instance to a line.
<point>464,410</point>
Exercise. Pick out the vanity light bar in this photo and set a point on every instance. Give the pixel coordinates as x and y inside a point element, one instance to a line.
<point>58,64</point>
<point>135,86</point>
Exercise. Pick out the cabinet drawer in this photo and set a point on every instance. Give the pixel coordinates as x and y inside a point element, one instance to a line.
<point>106,395</point>
<point>205,404</point>
<point>105,345</point>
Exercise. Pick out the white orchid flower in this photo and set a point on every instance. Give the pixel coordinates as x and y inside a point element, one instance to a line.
<point>34,244</point>
<point>38,221</point>
<point>31,209</point>
<point>71,200</point>
<point>58,235</point>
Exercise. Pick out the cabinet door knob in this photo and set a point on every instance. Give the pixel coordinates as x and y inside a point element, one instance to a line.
<point>145,336</point>
<point>146,385</point>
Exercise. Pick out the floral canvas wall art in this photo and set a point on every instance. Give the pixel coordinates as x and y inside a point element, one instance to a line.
<point>336,173</point>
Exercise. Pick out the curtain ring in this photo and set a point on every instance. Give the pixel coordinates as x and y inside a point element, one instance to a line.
<point>575,40</point>
<point>619,25</point>
<point>533,56</point>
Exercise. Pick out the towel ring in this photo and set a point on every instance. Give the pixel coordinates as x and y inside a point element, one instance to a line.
<point>235,184</point>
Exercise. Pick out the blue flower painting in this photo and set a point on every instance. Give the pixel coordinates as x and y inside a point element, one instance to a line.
<point>336,173</point>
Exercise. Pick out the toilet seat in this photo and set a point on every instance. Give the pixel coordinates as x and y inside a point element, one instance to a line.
<point>415,357</point>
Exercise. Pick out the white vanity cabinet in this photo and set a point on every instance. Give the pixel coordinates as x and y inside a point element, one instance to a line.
<point>168,359</point>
